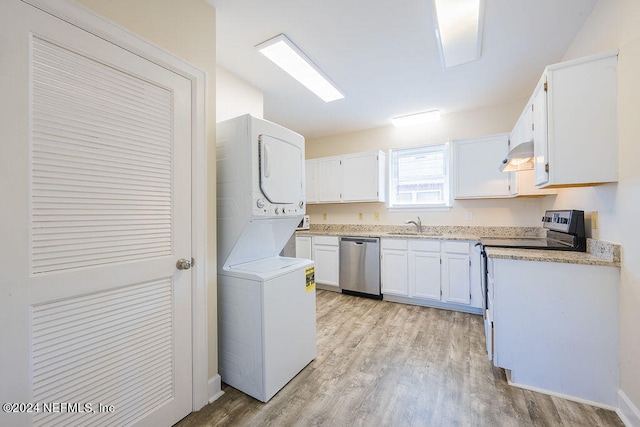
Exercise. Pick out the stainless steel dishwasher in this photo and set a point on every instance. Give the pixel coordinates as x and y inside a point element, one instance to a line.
<point>360,266</point>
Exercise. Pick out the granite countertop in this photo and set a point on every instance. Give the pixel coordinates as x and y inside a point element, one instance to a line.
<point>598,252</point>
<point>427,232</point>
<point>539,255</point>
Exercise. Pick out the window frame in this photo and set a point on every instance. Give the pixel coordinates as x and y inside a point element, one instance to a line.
<point>445,148</point>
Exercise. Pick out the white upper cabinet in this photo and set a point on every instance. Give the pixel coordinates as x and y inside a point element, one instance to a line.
<point>329,179</point>
<point>476,167</point>
<point>363,177</point>
<point>358,177</point>
<point>311,180</point>
<point>575,123</point>
<point>522,181</point>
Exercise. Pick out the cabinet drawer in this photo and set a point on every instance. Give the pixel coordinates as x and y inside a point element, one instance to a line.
<point>394,244</point>
<point>456,247</point>
<point>425,245</point>
<point>326,240</point>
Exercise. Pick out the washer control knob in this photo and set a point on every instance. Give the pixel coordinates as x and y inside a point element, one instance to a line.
<point>260,203</point>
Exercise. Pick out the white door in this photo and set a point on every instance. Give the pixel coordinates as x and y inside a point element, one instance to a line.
<point>95,186</point>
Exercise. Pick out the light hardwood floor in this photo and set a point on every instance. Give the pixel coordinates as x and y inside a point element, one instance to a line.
<point>387,364</point>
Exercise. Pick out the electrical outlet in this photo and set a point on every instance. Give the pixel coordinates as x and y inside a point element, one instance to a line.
<point>594,220</point>
<point>324,216</point>
<point>469,216</point>
<point>376,216</point>
<point>360,216</point>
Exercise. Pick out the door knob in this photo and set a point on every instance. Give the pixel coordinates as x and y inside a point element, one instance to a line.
<point>184,264</point>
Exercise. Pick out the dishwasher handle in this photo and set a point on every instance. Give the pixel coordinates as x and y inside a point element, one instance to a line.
<point>359,240</point>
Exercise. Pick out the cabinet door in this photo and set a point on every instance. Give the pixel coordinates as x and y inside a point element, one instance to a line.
<point>303,247</point>
<point>394,272</point>
<point>327,264</point>
<point>424,275</point>
<point>476,167</point>
<point>360,177</point>
<point>456,286</point>
<point>311,179</point>
<point>329,179</point>
<point>540,149</point>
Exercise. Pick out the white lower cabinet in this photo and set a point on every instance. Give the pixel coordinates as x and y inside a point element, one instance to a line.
<point>424,269</point>
<point>431,273</point>
<point>456,272</point>
<point>556,327</point>
<point>326,254</point>
<point>393,267</point>
<point>303,247</point>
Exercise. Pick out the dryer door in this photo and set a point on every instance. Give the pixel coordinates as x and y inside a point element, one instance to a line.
<point>281,170</point>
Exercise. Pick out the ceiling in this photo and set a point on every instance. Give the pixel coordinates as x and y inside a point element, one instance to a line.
<point>384,56</point>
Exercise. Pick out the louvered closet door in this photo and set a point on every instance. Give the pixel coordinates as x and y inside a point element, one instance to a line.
<point>96,210</point>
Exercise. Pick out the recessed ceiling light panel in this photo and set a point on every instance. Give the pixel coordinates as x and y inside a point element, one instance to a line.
<point>416,119</point>
<point>292,60</point>
<point>459,30</point>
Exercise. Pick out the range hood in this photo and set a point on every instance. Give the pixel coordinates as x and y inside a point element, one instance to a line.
<point>518,159</point>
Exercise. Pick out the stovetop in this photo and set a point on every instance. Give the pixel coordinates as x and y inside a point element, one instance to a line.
<point>565,232</point>
<point>528,243</point>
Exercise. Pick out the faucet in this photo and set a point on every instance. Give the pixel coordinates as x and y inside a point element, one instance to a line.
<point>418,224</point>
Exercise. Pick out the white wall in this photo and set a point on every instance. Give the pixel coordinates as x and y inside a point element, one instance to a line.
<point>235,97</point>
<point>615,25</point>
<point>486,121</point>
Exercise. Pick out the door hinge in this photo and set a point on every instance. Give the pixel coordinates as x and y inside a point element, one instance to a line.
<point>546,167</point>
<point>546,87</point>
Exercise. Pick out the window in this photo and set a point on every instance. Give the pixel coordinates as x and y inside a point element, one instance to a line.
<point>419,177</point>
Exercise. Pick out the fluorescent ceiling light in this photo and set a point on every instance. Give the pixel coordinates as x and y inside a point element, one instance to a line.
<point>416,119</point>
<point>459,30</point>
<point>287,56</point>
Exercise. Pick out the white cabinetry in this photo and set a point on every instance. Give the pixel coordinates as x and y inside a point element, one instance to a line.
<point>363,177</point>
<point>522,181</point>
<point>424,269</point>
<point>575,123</point>
<point>358,177</point>
<point>456,272</point>
<point>393,267</point>
<point>476,171</point>
<point>556,327</point>
<point>431,273</point>
<point>303,247</point>
<point>311,179</point>
<point>329,179</point>
<point>326,254</point>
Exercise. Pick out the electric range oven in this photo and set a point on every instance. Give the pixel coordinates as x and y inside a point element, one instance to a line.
<point>565,232</point>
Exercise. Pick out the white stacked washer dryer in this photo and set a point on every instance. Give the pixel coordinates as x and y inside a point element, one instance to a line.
<point>266,303</point>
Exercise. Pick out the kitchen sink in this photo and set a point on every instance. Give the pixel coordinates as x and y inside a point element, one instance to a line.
<point>412,233</point>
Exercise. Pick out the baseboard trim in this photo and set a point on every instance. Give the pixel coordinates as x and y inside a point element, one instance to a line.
<point>215,388</point>
<point>560,395</point>
<point>627,411</point>
<point>432,304</point>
